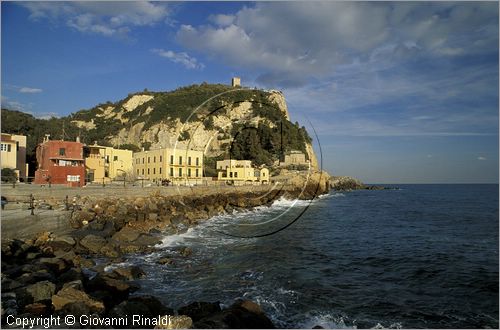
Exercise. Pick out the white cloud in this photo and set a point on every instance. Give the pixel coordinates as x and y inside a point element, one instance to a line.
<point>481,158</point>
<point>291,42</point>
<point>183,58</point>
<point>29,90</point>
<point>106,18</point>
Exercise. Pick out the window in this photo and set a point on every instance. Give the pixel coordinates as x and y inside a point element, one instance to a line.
<point>154,159</point>
<point>171,159</point>
<point>149,160</point>
<point>17,145</point>
<point>161,159</point>
<point>180,160</point>
<point>230,174</point>
<point>5,147</point>
<point>159,170</point>
<point>180,172</point>
<point>107,159</point>
<point>115,158</point>
<point>154,170</point>
<point>197,173</point>
<point>189,160</point>
<point>171,171</point>
<point>235,174</point>
<point>137,171</point>
<point>189,172</point>
<point>62,151</point>
<point>142,171</point>
<point>148,171</point>
<point>143,160</point>
<point>73,178</point>
<point>197,161</point>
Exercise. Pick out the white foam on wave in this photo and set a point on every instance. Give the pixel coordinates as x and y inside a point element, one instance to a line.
<point>325,320</point>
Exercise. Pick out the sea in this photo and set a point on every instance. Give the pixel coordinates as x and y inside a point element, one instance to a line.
<point>416,256</point>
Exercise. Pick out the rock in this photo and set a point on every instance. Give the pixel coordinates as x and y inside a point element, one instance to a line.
<point>42,238</point>
<point>175,322</point>
<point>147,306</point>
<point>198,310</point>
<point>76,284</point>
<point>37,309</point>
<point>139,202</point>
<point>76,302</point>
<point>71,275</point>
<point>93,243</point>
<point>345,183</point>
<point>83,216</point>
<point>109,251</point>
<point>129,273</point>
<point>117,288</point>
<point>242,314</point>
<point>126,234</point>
<point>57,265</point>
<point>41,291</point>
<point>64,243</point>
<point>147,240</point>
<point>165,261</point>
<point>186,252</point>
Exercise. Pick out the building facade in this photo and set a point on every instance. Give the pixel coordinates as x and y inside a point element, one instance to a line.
<point>60,162</point>
<point>240,171</point>
<point>13,154</point>
<point>294,157</point>
<point>177,165</point>
<point>105,164</point>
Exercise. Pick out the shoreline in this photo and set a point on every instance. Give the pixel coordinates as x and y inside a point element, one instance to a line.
<point>54,266</point>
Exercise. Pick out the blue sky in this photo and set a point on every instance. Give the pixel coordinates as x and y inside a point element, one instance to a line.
<point>396,91</point>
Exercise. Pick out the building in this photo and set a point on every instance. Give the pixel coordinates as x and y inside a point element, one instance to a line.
<point>240,171</point>
<point>236,82</point>
<point>13,154</point>
<point>105,164</point>
<point>296,158</point>
<point>60,162</point>
<point>180,166</point>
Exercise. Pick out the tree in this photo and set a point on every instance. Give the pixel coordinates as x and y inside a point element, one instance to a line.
<point>8,175</point>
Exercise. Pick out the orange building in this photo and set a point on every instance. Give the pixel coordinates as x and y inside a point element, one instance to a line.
<point>60,162</point>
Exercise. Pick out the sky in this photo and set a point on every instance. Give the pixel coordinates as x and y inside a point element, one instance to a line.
<point>392,92</point>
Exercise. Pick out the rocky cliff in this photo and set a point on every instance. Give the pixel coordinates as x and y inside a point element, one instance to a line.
<point>206,117</point>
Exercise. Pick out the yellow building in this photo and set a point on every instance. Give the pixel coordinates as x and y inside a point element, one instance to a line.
<point>13,154</point>
<point>240,171</point>
<point>180,166</point>
<point>105,164</point>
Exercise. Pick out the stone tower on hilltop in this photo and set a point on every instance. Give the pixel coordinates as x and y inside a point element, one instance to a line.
<point>236,82</point>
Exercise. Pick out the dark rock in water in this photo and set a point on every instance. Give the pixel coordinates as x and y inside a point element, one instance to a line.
<point>129,273</point>
<point>147,306</point>
<point>186,252</point>
<point>165,261</point>
<point>93,243</point>
<point>241,315</point>
<point>318,327</point>
<point>199,310</point>
<point>118,289</point>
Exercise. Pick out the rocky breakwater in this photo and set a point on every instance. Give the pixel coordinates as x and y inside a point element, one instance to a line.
<point>40,280</point>
<point>347,183</point>
<point>79,274</point>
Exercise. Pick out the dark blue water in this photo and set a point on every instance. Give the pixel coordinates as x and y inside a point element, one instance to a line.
<point>424,256</point>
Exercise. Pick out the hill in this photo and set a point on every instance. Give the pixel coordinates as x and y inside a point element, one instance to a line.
<point>221,120</point>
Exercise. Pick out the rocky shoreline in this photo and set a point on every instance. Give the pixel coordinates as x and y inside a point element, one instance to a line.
<point>52,274</point>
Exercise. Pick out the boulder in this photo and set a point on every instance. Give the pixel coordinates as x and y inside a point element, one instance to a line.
<point>129,273</point>
<point>76,302</point>
<point>198,310</point>
<point>37,309</point>
<point>126,234</point>
<point>119,289</point>
<point>147,306</point>
<point>175,322</point>
<point>242,314</point>
<point>41,291</point>
<point>93,243</point>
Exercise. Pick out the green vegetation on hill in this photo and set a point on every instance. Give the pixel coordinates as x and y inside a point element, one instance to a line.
<point>263,144</point>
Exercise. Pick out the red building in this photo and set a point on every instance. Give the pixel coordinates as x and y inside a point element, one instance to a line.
<point>60,162</point>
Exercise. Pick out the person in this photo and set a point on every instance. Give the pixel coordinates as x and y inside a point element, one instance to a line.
<point>4,202</point>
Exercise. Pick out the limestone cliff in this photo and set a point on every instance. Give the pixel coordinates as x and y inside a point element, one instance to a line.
<point>210,118</point>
